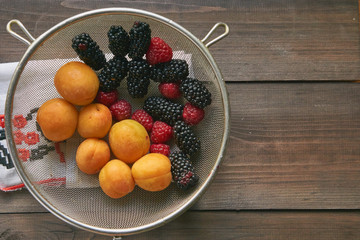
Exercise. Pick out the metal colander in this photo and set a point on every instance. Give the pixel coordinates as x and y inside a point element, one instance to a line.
<point>48,169</point>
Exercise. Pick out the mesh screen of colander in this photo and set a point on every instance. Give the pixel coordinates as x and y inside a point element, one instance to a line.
<point>89,205</point>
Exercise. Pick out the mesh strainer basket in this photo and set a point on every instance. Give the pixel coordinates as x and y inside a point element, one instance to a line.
<point>48,169</point>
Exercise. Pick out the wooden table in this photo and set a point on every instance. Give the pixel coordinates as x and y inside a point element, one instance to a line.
<point>292,166</point>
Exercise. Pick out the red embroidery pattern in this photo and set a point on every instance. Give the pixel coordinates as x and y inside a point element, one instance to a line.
<point>19,137</point>
<point>31,138</point>
<point>19,121</point>
<point>24,154</point>
<point>58,151</point>
<point>2,120</point>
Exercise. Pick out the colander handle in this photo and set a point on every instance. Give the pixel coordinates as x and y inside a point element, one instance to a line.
<point>217,25</point>
<point>17,36</point>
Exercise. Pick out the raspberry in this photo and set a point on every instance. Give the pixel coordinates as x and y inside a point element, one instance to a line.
<point>160,148</point>
<point>161,132</point>
<point>192,115</point>
<point>170,90</point>
<point>159,51</point>
<point>143,118</point>
<point>120,110</point>
<point>107,98</point>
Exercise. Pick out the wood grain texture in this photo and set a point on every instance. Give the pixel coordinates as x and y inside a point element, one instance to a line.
<point>291,169</point>
<point>292,146</point>
<point>269,40</point>
<point>201,225</point>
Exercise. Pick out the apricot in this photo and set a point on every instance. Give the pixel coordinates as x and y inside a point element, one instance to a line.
<point>115,179</point>
<point>95,121</point>
<point>152,172</point>
<point>92,155</point>
<point>77,83</point>
<point>129,140</point>
<point>57,119</point>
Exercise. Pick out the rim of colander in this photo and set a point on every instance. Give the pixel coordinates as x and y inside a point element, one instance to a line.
<point>8,125</point>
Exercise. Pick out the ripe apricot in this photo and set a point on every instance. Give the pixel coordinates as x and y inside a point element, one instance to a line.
<point>129,140</point>
<point>115,179</point>
<point>57,119</point>
<point>92,154</point>
<point>152,172</point>
<point>95,121</point>
<point>77,83</point>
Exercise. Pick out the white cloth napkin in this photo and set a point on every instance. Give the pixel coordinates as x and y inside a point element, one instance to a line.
<point>9,180</point>
<point>46,163</point>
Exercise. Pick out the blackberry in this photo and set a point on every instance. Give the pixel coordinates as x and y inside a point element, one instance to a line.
<point>172,71</point>
<point>185,138</point>
<point>164,110</point>
<point>113,72</point>
<point>88,51</point>
<point>138,87</point>
<point>177,69</point>
<point>138,80</point>
<point>182,171</point>
<point>106,84</point>
<point>119,41</point>
<point>195,92</point>
<point>140,38</point>
<point>139,68</point>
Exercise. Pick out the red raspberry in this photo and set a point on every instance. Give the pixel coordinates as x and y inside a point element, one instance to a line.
<point>161,132</point>
<point>160,148</point>
<point>159,51</point>
<point>107,98</point>
<point>192,115</point>
<point>143,118</point>
<point>170,90</point>
<point>120,110</point>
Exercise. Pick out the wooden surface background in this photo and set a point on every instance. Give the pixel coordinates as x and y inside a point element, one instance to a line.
<point>291,169</point>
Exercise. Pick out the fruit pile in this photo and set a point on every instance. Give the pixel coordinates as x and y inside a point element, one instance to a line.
<point>140,139</point>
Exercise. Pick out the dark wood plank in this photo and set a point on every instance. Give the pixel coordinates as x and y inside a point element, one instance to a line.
<point>269,40</point>
<point>19,201</point>
<point>292,146</point>
<point>201,225</point>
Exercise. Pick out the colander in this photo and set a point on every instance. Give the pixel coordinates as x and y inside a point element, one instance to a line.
<point>48,169</point>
